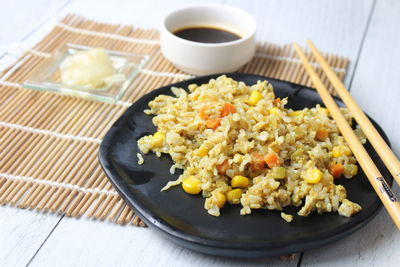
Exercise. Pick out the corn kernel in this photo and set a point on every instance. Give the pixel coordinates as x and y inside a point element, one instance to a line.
<point>322,134</point>
<point>338,151</point>
<point>255,97</point>
<point>274,111</point>
<point>240,181</point>
<point>275,147</point>
<point>278,172</point>
<point>191,185</point>
<point>158,139</point>
<point>192,87</point>
<point>347,151</point>
<point>219,199</point>
<point>313,176</point>
<point>295,113</point>
<point>207,97</point>
<point>350,170</point>
<point>233,196</point>
<point>324,110</point>
<point>202,151</point>
<point>297,155</point>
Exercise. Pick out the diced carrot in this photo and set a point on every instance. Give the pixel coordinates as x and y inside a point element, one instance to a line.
<point>276,101</point>
<point>227,109</point>
<point>223,167</point>
<point>257,161</point>
<point>213,123</point>
<point>272,160</point>
<point>322,134</point>
<point>336,169</point>
<point>202,114</point>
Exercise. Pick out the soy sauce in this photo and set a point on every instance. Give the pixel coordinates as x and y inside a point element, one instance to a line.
<point>207,35</point>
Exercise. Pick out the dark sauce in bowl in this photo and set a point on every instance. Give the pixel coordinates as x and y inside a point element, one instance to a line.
<point>206,35</point>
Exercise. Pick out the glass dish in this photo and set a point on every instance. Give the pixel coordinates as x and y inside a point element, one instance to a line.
<point>47,76</point>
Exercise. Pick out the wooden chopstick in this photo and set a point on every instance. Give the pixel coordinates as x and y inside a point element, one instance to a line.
<point>383,150</point>
<point>379,184</point>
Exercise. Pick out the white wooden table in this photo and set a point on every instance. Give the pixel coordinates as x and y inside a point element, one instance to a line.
<point>366,31</point>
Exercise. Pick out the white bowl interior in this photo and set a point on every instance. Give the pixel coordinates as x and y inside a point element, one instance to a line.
<point>225,17</point>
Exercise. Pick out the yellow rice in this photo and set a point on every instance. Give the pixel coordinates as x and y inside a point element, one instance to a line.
<point>266,127</point>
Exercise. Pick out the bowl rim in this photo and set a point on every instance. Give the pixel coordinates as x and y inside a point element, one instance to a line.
<point>175,38</point>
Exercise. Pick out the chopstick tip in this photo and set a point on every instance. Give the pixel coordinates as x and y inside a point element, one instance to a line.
<point>297,47</point>
<point>310,43</point>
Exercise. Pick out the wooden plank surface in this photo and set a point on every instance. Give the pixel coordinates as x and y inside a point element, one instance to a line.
<point>145,14</point>
<point>94,243</point>
<point>21,234</point>
<point>334,26</point>
<point>19,17</point>
<point>93,248</point>
<point>19,20</point>
<point>376,89</point>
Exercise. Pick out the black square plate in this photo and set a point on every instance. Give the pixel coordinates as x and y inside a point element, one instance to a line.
<point>182,217</point>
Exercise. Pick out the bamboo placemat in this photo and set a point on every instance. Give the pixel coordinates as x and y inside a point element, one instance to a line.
<point>49,142</point>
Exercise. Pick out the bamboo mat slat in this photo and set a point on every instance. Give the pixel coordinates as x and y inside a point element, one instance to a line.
<point>49,142</point>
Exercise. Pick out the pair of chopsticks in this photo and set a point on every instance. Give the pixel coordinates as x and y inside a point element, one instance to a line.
<point>376,179</point>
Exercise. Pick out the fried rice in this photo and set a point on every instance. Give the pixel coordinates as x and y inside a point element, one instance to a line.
<point>238,144</point>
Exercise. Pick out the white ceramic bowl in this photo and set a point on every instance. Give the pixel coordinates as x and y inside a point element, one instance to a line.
<point>206,58</point>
